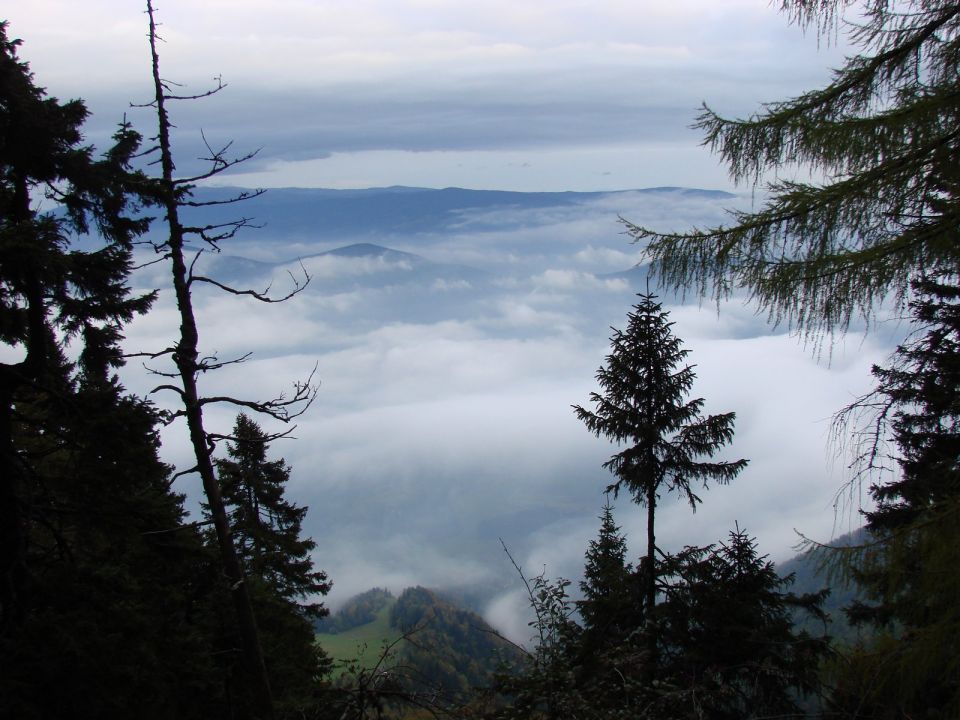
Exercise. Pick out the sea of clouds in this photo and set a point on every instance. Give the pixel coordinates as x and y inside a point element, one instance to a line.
<point>448,368</point>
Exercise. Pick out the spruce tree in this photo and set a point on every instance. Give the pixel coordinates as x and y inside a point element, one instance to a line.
<point>729,650</point>
<point>115,618</point>
<point>880,226</point>
<point>908,566</point>
<point>285,588</point>
<point>644,407</point>
<point>51,292</point>
<point>607,584</point>
<point>267,527</point>
<point>882,135</point>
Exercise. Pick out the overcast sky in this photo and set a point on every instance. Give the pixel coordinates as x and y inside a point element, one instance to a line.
<point>504,94</point>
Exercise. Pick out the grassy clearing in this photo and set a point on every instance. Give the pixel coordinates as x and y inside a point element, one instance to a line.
<point>363,643</point>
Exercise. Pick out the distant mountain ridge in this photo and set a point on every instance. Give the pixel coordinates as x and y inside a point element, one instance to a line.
<point>326,214</point>
<point>350,266</point>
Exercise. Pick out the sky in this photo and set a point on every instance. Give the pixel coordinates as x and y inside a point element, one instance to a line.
<point>500,94</point>
<point>436,432</point>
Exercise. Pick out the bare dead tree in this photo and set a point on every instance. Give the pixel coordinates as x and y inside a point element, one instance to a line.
<point>172,194</point>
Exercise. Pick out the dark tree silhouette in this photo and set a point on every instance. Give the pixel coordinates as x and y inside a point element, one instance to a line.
<point>608,585</point>
<point>907,564</point>
<point>882,135</point>
<point>172,193</point>
<point>267,527</point>
<point>729,650</point>
<point>285,588</point>
<point>644,406</point>
<point>47,289</point>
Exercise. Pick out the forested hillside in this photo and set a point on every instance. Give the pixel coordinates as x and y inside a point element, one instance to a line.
<point>419,644</point>
<point>811,573</point>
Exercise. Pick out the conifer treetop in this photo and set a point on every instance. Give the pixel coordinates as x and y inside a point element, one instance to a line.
<point>643,405</point>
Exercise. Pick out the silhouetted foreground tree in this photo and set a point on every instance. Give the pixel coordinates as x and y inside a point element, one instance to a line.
<point>907,565</point>
<point>610,591</point>
<point>705,633</point>
<point>102,586</point>
<point>726,645</point>
<point>729,647</point>
<point>46,288</point>
<point>284,587</point>
<point>644,406</point>
<point>267,527</point>
<point>882,225</point>
<point>172,193</point>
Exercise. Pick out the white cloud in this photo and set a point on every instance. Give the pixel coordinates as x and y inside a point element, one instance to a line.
<point>327,267</point>
<point>440,427</point>
<point>574,280</point>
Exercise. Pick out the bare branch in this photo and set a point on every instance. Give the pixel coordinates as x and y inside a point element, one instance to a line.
<point>234,227</point>
<point>240,197</point>
<point>212,91</point>
<point>193,263</point>
<point>160,373</point>
<point>267,437</point>
<point>280,408</point>
<point>498,635</point>
<point>172,388</point>
<point>151,355</point>
<point>219,166</point>
<point>162,258</point>
<point>261,296</point>
<point>530,594</point>
<point>182,473</point>
<point>211,362</point>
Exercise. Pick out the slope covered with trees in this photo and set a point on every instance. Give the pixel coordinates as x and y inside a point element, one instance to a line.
<point>414,654</point>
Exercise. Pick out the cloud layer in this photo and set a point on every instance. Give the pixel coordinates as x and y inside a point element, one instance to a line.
<point>532,96</point>
<point>444,422</point>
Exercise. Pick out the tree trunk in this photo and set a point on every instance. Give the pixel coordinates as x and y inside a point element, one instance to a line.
<point>185,358</point>
<point>650,591</point>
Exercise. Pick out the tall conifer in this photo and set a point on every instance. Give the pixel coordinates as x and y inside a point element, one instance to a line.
<point>908,566</point>
<point>49,290</point>
<point>285,588</point>
<point>607,582</point>
<point>644,407</point>
<point>266,526</point>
